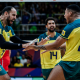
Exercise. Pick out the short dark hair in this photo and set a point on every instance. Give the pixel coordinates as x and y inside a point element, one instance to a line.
<point>49,18</point>
<point>74,7</point>
<point>7,8</point>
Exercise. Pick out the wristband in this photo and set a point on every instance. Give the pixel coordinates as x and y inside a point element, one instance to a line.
<point>35,43</point>
<point>35,40</point>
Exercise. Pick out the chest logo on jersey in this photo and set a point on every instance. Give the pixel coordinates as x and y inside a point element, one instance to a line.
<point>63,32</point>
<point>8,34</point>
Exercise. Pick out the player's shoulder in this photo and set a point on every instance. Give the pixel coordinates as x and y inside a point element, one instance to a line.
<point>9,27</point>
<point>73,25</point>
<point>57,33</point>
<point>43,35</point>
<point>76,21</point>
<point>68,27</point>
<point>0,25</point>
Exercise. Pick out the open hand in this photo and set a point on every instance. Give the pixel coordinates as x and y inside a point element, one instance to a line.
<point>30,47</point>
<point>43,41</point>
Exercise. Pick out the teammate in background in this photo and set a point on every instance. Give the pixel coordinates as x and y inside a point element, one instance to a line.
<point>69,66</point>
<point>5,60</point>
<point>6,34</point>
<point>51,58</point>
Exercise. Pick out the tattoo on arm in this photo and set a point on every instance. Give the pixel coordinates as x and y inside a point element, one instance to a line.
<point>40,47</point>
<point>61,48</point>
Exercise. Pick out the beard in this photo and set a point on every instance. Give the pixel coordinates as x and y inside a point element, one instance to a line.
<point>8,21</point>
<point>51,30</point>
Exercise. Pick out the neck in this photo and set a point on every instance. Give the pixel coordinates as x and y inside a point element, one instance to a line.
<point>51,33</point>
<point>4,22</point>
<point>74,18</point>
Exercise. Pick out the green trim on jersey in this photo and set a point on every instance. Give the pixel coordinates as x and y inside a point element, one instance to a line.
<point>6,32</point>
<point>51,58</point>
<point>72,32</point>
<point>69,28</point>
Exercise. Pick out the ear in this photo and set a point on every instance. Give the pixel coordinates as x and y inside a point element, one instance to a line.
<point>70,13</point>
<point>6,13</point>
<point>55,25</point>
<point>46,26</point>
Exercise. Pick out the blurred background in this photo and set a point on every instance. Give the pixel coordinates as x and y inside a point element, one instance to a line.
<point>30,23</point>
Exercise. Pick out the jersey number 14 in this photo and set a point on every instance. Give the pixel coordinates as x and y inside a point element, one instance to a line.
<point>52,54</point>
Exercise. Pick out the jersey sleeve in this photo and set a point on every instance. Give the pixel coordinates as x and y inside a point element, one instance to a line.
<point>66,31</point>
<point>11,32</point>
<point>58,34</point>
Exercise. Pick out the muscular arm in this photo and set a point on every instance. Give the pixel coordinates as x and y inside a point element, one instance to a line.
<point>62,52</point>
<point>52,46</point>
<point>63,48</point>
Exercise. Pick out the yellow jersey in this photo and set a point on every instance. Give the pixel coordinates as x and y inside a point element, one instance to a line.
<point>51,58</point>
<point>72,33</point>
<point>6,32</point>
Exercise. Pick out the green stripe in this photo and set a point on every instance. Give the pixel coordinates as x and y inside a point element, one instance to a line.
<point>63,37</point>
<point>1,22</point>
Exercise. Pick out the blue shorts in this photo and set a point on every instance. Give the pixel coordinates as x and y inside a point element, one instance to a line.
<point>2,70</point>
<point>71,69</point>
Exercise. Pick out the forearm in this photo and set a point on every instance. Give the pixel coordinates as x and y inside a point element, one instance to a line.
<point>45,47</point>
<point>8,45</point>
<point>16,39</point>
<point>39,47</point>
<point>62,52</point>
<point>63,46</point>
<point>52,46</point>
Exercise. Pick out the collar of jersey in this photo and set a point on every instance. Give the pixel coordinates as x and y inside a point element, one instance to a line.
<point>47,34</point>
<point>2,24</point>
